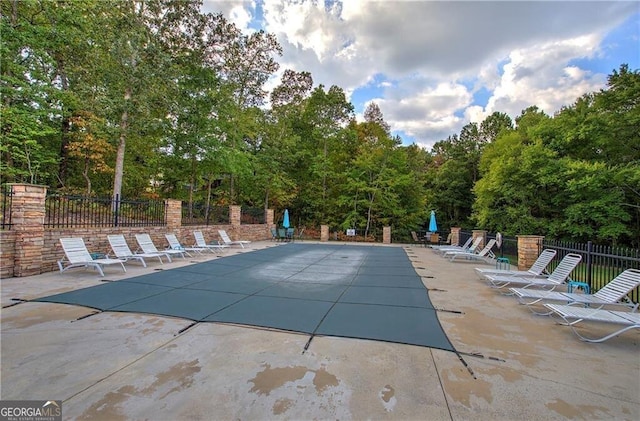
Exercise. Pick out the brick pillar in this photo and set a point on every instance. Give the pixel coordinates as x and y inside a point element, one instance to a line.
<point>234,214</point>
<point>480,233</point>
<point>386,235</point>
<point>528,250</point>
<point>455,235</point>
<point>27,216</point>
<point>324,232</point>
<point>174,214</point>
<point>269,217</point>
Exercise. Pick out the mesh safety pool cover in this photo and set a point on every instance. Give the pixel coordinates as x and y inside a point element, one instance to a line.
<point>335,290</point>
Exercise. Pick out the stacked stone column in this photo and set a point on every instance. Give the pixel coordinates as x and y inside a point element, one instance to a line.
<point>386,235</point>
<point>324,233</point>
<point>27,217</point>
<point>235,212</point>
<point>174,214</point>
<point>480,233</point>
<point>455,235</point>
<point>529,247</point>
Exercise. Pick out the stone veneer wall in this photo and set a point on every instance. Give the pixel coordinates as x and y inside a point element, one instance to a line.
<point>7,253</point>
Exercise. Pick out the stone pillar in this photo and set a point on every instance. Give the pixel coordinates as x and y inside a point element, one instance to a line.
<point>455,236</point>
<point>386,235</point>
<point>480,233</point>
<point>174,214</point>
<point>269,218</point>
<point>234,214</point>
<point>324,232</point>
<point>27,217</point>
<point>529,247</point>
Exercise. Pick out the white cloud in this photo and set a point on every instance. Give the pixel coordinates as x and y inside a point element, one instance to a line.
<point>241,15</point>
<point>541,76</point>
<point>437,55</point>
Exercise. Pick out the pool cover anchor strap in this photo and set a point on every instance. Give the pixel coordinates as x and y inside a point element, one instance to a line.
<point>465,364</point>
<point>473,354</point>
<point>19,301</point>
<point>479,355</point>
<point>86,316</point>
<point>186,328</point>
<point>444,310</point>
<point>306,346</point>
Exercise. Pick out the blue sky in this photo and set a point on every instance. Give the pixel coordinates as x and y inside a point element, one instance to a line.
<point>433,67</point>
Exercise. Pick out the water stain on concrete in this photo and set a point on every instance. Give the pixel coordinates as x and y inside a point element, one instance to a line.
<point>269,379</point>
<point>323,379</point>
<point>507,374</point>
<point>26,315</point>
<point>577,412</point>
<point>108,407</point>
<point>387,394</point>
<point>461,386</point>
<point>281,406</point>
<point>181,374</point>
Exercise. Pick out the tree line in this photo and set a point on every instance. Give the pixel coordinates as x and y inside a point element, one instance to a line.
<point>153,98</point>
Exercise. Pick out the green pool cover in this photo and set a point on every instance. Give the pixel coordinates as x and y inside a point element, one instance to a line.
<point>334,290</point>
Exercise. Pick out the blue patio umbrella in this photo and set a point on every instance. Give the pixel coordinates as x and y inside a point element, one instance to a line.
<point>433,226</point>
<point>285,219</point>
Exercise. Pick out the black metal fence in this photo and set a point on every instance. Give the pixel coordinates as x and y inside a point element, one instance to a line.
<point>506,247</point>
<point>5,208</point>
<point>79,211</point>
<point>600,264</point>
<point>252,216</point>
<point>199,213</point>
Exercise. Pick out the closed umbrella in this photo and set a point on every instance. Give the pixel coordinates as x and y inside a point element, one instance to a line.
<point>285,224</point>
<point>433,226</point>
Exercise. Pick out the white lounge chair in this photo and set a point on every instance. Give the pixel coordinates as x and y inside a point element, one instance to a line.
<point>174,244</point>
<point>227,241</point>
<point>473,248</point>
<point>610,294</point>
<point>147,246</point>
<point>572,315</point>
<point>537,269</point>
<point>200,242</point>
<point>559,275</point>
<point>77,255</point>
<point>122,251</point>
<point>485,254</point>
<point>444,249</point>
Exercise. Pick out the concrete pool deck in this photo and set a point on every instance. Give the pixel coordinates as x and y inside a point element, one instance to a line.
<point>119,366</point>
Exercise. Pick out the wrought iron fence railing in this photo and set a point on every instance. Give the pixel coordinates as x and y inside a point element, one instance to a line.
<point>5,208</point>
<point>62,211</point>
<point>198,213</point>
<point>600,264</point>
<point>252,216</point>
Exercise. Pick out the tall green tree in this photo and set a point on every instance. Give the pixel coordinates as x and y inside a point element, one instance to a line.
<point>323,139</point>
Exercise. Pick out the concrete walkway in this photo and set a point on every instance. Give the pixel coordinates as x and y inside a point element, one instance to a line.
<point>116,366</point>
